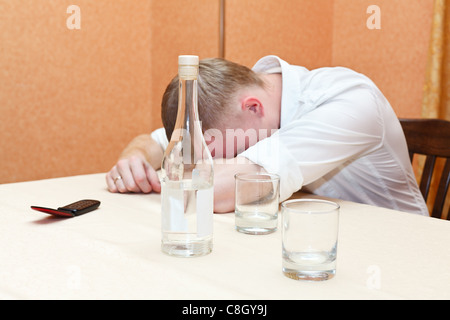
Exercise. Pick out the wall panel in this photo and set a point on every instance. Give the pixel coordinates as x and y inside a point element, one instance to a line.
<point>94,89</point>
<point>394,56</point>
<point>71,99</point>
<point>180,27</point>
<point>299,31</point>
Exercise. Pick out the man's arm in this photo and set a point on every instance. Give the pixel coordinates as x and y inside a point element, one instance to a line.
<point>136,168</point>
<point>144,145</point>
<point>224,184</point>
<point>140,159</point>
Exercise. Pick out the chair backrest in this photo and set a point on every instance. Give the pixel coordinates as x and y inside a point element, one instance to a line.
<point>430,137</point>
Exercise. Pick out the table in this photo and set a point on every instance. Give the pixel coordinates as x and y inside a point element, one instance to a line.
<point>114,252</point>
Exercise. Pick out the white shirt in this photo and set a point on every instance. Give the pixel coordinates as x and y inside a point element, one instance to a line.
<point>338,137</point>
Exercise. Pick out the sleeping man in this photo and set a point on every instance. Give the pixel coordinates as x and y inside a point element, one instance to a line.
<point>329,131</point>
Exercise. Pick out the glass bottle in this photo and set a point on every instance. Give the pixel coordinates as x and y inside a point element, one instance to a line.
<point>187,176</point>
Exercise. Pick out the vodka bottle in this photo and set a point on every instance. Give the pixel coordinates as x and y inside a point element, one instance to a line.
<point>187,175</point>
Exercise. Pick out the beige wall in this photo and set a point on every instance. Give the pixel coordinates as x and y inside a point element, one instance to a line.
<point>180,27</point>
<point>298,31</point>
<point>395,57</point>
<point>70,100</point>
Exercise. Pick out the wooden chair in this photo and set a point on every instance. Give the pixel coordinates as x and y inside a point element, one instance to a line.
<point>430,137</point>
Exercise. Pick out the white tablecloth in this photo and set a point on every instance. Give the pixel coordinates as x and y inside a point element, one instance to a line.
<point>114,252</point>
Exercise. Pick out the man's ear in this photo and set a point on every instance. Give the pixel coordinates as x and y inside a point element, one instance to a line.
<point>252,105</point>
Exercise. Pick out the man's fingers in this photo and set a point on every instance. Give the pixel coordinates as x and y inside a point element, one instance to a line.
<point>153,178</point>
<point>115,182</point>
<point>138,169</point>
<point>110,180</point>
<point>133,175</point>
<point>127,183</point>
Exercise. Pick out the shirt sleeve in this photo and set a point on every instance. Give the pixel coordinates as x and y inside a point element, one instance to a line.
<point>159,135</point>
<point>332,134</point>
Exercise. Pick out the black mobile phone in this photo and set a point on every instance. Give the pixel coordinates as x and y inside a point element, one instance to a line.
<point>71,210</point>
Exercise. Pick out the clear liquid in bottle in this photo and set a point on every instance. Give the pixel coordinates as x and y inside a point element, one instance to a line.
<point>187,176</point>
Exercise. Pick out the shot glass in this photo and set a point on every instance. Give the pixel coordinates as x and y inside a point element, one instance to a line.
<point>309,229</point>
<point>256,202</point>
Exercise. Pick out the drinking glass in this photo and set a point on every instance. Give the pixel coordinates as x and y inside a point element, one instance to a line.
<point>309,230</point>
<point>257,202</point>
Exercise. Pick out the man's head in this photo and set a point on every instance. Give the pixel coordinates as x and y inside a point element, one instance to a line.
<point>229,98</point>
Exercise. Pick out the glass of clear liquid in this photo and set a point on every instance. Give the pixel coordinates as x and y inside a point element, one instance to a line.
<point>309,230</point>
<point>256,202</point>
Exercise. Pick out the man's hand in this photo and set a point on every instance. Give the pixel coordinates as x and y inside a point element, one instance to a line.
<point>136,169</point>
<point>136,172</point>
<point>133,174</point>
<point>224,184</point>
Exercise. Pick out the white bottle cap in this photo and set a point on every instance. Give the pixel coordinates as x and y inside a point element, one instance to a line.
<point>187,60</point>
<point>188,67</point>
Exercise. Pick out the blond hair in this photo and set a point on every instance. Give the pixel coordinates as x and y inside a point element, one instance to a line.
<point>218,82</point>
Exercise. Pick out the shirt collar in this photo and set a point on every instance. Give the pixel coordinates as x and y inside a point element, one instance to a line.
<point>291,86</point>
